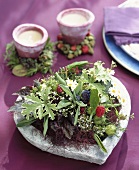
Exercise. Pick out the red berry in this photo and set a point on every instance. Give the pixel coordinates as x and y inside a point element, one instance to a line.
<point>100,110</point>
<point>88,33</point>
<point>82,110</point>
<point>73,48</point>
<point>76,70</point>
<point>85,49</point>
<point>59,89</point>
<point>59,37</point>
<point>60,45</point>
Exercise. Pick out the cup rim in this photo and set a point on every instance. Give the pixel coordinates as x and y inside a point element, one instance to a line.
<point>91,19</point>
<point>21,28</point>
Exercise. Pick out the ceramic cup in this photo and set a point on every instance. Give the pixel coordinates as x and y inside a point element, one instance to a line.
<point>29,39</point>
<point>74,24</point>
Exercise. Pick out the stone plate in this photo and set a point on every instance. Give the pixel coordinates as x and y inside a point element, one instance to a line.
<point>93,153</point>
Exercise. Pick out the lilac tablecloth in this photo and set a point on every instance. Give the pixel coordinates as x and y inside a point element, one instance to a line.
<point>15,152</point>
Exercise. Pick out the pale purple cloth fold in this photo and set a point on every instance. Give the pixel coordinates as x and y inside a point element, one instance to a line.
<point>122,23</point>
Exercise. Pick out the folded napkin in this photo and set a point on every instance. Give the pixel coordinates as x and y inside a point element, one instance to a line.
<point>122,23</point>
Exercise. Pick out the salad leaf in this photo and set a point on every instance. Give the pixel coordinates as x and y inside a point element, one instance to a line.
<point>99,142</point>
<point>26,122</point>
<point>45,125</point>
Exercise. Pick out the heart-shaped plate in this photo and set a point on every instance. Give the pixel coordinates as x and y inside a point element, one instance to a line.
<point>92,153</point>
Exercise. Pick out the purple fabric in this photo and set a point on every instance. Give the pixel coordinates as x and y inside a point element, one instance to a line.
<point>15,152</point>
<point>122,23</point>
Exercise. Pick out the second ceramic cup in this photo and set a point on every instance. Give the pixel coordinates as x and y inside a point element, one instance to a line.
<point>74,24</point>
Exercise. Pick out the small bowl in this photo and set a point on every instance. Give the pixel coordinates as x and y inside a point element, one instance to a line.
<point>29,40</point>
<point>74,24</point>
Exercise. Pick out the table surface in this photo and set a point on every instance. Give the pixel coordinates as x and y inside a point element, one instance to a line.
<point>15,152</point>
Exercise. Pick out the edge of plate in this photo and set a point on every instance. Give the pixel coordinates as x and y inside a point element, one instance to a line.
<point>113,55</point>
<point>123,46</point>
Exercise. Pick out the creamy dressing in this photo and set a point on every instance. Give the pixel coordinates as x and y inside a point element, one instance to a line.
<point>73,19</point>
<point>30,37</point>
